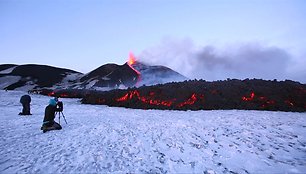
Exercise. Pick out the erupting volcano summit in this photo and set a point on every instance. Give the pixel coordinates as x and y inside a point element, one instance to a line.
<point>152,75</point>
<point>132,73</point>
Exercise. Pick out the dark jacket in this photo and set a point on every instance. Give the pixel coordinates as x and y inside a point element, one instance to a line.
<point>50,114</point>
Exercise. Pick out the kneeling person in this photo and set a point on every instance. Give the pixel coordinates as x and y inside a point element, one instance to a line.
<point>48,122</point>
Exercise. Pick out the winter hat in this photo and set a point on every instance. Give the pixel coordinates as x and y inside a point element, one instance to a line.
<point>52,102</point>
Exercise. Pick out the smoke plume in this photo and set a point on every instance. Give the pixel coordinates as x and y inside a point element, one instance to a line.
<point>237,61</point>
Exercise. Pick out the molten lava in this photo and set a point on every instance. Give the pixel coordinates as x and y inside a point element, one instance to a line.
<point>145,99</point>
<point>263,100</point>
<point>132,59</point>
<point>151,99</point>
<point>51,94</point>
<point>191,100</point>
<point>252,95</point>
<point>131,62</point>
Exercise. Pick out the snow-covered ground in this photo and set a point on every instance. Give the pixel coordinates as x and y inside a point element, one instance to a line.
<point>101,139</point>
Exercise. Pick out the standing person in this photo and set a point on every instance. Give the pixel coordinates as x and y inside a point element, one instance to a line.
<point>25,100</point>
<point>48,122</point>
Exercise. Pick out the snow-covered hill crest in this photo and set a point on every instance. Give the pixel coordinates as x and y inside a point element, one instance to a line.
<point>32,76</point>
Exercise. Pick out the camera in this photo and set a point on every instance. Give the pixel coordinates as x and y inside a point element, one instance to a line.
<point>60,106</point>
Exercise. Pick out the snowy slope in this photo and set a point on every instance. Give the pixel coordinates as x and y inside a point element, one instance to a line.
<point>33,76</point>
<point>100,139</point>
<point>8,70</point>
<point>8,80</point>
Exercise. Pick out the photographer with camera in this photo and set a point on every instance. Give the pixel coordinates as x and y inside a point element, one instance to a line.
<point>48,122</point>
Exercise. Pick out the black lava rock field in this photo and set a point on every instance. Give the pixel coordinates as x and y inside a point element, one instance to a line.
<point>246,94</point>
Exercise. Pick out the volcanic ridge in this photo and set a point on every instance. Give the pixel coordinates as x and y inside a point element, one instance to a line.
<point>106,77</point>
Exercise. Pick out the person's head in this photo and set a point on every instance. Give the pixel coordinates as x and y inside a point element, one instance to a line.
<point>52,102</point>
<point>56,99</point>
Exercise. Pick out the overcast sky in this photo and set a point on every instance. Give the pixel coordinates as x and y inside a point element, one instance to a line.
<point>199,38</point>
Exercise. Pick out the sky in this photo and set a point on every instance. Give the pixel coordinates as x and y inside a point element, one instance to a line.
<point>212,40</point>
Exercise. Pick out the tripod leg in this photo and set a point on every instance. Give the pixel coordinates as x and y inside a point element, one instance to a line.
<point>59,118</point>
<point>64,117</point>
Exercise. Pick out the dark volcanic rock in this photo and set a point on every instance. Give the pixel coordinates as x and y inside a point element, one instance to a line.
<point>102,71</point>
<point>111,76</point>
<point>197,95</point>
<point>46,76</point>
<point>124,75</point>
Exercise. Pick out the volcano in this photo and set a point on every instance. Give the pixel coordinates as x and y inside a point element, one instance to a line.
<point>131,74</point>
<point>152,75</point>
<point>109,76</point>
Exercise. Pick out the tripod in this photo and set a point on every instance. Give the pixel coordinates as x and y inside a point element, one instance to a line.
<point>59,116</point>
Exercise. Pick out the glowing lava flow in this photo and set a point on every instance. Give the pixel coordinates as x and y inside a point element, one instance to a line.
<point>252,95</point>
<point>148,100</point>
<point>151,101</point>
<point>132,61</point>
<point>265,102</point>
<point>191,100</point>
<point>51,94</point>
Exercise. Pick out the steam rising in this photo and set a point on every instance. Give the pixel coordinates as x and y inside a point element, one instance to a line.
<point>239,61</point>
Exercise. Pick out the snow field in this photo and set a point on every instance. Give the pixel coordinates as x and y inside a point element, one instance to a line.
<point>101,139</point>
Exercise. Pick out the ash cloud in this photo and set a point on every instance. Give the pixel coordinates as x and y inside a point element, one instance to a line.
<point>239,61</point>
